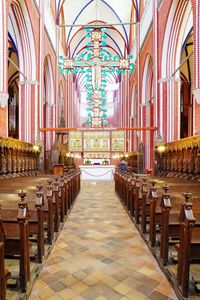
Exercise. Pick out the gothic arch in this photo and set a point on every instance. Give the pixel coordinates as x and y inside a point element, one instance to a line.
<point>20,32</point>
<point>48,103</point>
<point>20,28</point>
<point>133,101</point>
<point>60,105</point>
<point>147,113</point>
<point>48,81</point>
<point>133,121</point>
<point>147,81</point>
<point>179,24</point>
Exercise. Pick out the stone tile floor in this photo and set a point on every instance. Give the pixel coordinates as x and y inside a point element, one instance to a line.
<point>100,255</point>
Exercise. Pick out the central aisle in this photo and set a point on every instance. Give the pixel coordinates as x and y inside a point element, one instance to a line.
<point>100,255</point>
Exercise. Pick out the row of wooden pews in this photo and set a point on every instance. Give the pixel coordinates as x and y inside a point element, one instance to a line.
<point>168,219</point>
<point>30,226</point>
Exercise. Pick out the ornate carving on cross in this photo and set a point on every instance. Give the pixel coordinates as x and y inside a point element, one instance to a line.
<point>97,62</point>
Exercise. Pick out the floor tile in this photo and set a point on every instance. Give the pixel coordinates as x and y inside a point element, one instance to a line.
<point>99,255</point>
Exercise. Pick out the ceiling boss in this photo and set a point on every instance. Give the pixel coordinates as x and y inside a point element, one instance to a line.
<point>96,63</point>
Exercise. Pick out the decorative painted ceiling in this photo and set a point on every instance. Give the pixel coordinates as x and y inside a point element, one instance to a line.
<point>74,16</point>
<point>82,12</point>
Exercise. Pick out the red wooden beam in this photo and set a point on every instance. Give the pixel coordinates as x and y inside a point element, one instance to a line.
<point>100,129</point>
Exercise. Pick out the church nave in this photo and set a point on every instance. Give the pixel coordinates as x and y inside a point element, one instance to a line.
<point>101,95</point>
<point>100,255</point>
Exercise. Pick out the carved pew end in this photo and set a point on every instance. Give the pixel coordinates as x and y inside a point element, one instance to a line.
<point>12,282</point>
<point>174,256</point>
<point>196,281</point>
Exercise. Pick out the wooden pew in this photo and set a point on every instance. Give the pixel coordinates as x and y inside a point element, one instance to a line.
<point>127,189</point>
<point>164,244</point>
<point>16,242</point>
<point>62,199</point>
<point>121,191</point>
<point>47,198</point>
<point>69,189</point>
<point>117,182</point>
<point>188,248</point>
<point>165,212</point>
<point>51,200</point>
<point>52,207</point>
<point>137,200</point>
<point>153,197</point>
<point>31,196</point>
<point>130,200</point>
<point>49,213</point>
<point>145,207</point>
<point>56,205</point>
<point>36,221</point>
<point>67,199</point>
<point>154,200</point>
<point>4,273</point>
<point>169,222</point>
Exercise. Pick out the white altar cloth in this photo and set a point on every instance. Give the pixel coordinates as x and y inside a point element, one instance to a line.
<point>97,172</point>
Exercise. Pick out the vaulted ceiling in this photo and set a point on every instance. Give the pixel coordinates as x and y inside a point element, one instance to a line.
<point>83,12</point>
<point>74,16</point>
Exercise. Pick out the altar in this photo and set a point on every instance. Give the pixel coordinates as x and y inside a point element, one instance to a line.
<point>97,172</point>
<point>96,151</point>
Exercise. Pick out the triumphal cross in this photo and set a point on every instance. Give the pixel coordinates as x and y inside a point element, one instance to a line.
<point>97,62</point>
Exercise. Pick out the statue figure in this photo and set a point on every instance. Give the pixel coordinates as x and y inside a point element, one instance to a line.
<point>164,162</point>
<point>185,161</point>
<point>55,153</point>
<point>190,161</point>
<point>197,162</point>
<point>172,162</point>
<point>168,161</point>
<point>180,162</point>
<point>175,161</point>
<point>9,162</point>
<point>3,163</point>
<point>26,163</point>
<point>14,161</point>
<point>19,162</point>
<point>23,162</point>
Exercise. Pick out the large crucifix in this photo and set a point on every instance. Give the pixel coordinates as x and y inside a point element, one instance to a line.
<point>96,64</point>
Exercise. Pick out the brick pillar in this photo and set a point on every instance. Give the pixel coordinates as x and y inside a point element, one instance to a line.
<point>22,111</point>
<point>139,85</point>
<point>154,107</point>
<point>196,92</point>
<point>3,68</point>
<point>41,70</point>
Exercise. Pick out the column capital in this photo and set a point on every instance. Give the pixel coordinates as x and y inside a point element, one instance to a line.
<point>3,99</point>
<point>33,82</point>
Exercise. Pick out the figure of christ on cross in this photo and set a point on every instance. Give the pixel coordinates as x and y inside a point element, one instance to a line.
<point>96,64</point>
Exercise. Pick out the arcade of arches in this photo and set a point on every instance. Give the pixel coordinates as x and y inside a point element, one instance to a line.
<point>111,88</point>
